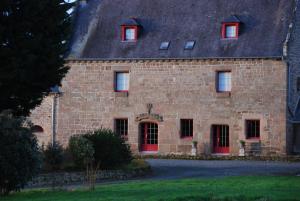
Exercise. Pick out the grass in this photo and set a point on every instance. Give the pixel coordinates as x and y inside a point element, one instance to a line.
<point>229,189</point>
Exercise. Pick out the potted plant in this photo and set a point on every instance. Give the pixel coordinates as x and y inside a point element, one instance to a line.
<point>194,148</point>
<point>242,148</point>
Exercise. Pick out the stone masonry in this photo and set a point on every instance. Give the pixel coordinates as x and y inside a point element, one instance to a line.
<point>177,89</point>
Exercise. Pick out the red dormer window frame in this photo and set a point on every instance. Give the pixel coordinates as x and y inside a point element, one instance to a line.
<point>237,27</point>
<point>123,35</point>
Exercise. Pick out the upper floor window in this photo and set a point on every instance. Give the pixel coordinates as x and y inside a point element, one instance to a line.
<point>130,30</point>
<point>121,127</point>
<point>230,27</point>
<point>122,81</point>
<point>252,129</point>
<point>186,128</point>
<point>224,81</point>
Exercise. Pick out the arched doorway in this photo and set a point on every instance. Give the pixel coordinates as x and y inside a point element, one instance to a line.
<point>149,136</point>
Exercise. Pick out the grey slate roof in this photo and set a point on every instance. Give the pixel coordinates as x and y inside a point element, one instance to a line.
<point>263,31</point>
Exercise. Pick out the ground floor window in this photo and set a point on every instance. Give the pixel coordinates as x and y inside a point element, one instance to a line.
<point>121,128</point>
<point>186,128</point>
<point>252,129</point>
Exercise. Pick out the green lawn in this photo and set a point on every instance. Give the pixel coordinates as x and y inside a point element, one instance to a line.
<point>232,188</point>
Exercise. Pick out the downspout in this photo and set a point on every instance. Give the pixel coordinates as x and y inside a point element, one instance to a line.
<point>53,117</point>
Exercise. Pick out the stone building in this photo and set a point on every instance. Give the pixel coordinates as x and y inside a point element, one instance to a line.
<point>165,74</point>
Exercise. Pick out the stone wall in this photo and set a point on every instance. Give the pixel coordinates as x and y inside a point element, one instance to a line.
<point>66,178</point>
<point>178,90</point>
<point>42,116</point>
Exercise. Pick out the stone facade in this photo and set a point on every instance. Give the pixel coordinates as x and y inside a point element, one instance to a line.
<point>42,116</point>
<point>177,89</point>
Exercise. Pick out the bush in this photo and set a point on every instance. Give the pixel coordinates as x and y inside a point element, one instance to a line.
<point>111,151</point>
<point>19,153</point>
<point>53,157</point>
<point>82,150</point>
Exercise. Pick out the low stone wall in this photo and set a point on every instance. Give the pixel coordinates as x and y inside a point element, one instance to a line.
<point>295,158</point>
<point>68,178</point>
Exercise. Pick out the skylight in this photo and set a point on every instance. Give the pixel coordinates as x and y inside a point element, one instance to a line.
<point>189,45</point>
<point>164,45</point>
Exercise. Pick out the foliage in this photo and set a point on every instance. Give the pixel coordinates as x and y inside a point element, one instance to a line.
<point>19,153</point>
<point>260,188</point>
<point>111,151</point>
<point>34,38</point>
<point>82,150</point>
<point>83,153</point>
<point>53,156</point>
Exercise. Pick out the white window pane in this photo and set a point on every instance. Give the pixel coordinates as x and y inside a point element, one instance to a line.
<point>224,82</point>
<point>122,82</point>
<point>230,31</point>
<point>130,34</point>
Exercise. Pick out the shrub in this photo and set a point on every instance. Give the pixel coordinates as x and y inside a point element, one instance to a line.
<point>82,150</point>
<point>53,156</point>
<point>19,153</point>
<point>111,151</point>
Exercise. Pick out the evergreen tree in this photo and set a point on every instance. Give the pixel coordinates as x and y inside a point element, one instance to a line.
<point>34,38</point>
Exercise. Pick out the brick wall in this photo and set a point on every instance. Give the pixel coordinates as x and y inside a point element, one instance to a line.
<point>178,90</point>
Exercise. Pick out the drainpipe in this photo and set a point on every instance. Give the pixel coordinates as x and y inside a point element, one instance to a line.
<point>53,117</point>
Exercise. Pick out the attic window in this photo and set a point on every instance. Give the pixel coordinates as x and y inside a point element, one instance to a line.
<point>129,33</point>
<point>230,28</point>
<point>130,30</point>
<point>189,45</point>
<point>164,45</point>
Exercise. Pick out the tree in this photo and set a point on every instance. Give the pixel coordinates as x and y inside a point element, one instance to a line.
<point>20,158</point>
<point>34,37</point>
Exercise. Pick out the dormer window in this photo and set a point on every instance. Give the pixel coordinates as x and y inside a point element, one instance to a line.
<point>130,34</point>
<point>130,30</point>
<point>230,28</point>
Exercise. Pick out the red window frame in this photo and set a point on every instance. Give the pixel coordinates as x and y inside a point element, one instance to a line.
<point>116,81</point>
<point>237,27</point>
<point>253,129</point>
<point>123,34</point>
<point>121,127</point>
<point>186,128</point>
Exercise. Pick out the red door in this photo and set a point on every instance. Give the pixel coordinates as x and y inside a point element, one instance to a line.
<point>221,139</point>
<point>149,132</point>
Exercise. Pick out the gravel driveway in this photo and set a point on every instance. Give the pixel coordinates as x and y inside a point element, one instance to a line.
<point>177,169</point>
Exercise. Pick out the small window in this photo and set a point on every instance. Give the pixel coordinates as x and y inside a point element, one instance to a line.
<point>130,34</point>
<point>252,129</point>
<point>230,30</point>
<point>224,81</point>
<point>189,45</point>
<point>121,127</point>
<point>37,129</point>
<point>122,82</point>
<point>186,128</point>
<point>164,45</point>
